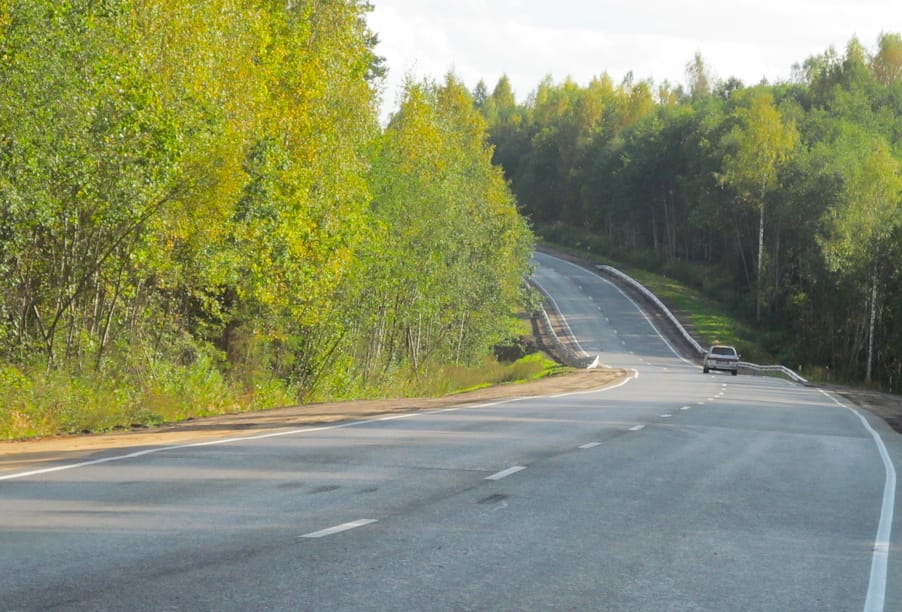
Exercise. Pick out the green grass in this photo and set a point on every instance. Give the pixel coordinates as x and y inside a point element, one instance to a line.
<point>40,403</point>
<point>706,319</point>
<point>36,402</point>
<point>459,379</point>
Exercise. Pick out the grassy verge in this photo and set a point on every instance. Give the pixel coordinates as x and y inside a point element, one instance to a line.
<point>454,379</point>
<point>705,318</point>
<point>41,403</point>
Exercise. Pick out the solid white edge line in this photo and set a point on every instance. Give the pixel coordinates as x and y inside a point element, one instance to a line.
<point>877,583</point>
<point>505,473</point>
<point>634,374</point>
<point>161,449</point>
<point>338,528</point>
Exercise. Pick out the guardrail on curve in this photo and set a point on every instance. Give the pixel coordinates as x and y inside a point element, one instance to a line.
<point>570,357</point>
<point>779,369</point>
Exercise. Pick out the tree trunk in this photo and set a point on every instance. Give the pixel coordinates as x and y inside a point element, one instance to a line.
<point>760,262</point>
<point>871,325</point>
<point>776,257</point>
<point>668,221</point>
<point>745,264</point>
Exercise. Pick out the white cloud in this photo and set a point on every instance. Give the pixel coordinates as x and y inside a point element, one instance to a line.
<point>529,39</point>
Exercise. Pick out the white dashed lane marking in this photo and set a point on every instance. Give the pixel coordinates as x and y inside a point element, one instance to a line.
<point>338,528</point>
<point>505,473</point>
<point>590,445</point>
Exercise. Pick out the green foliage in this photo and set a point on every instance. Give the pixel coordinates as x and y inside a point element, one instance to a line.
<point>448,250</point>
<point>199,214</point>
<point>756,145</point>
<point>858,230</point>
<point>681,184</point>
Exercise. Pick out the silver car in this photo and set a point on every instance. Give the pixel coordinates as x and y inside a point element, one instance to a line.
<point>721,357</point>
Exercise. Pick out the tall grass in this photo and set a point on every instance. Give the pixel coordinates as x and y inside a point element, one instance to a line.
<point>458,379</point>
<point>38,402</point>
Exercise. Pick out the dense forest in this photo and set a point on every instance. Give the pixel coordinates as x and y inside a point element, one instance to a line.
<point>200,212</point>
<point>782,200</point>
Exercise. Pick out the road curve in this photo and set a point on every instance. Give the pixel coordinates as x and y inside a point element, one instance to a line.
<point>674,490</point>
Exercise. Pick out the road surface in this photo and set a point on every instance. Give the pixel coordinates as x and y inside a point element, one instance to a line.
<point>671,490</point>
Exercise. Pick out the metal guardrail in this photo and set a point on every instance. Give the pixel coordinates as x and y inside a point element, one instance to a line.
<point>778,369</point>
<point>571,358</point>
<point>651,297</point>
<point>629,280</point>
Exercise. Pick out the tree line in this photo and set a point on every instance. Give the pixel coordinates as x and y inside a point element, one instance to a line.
<point>784,200</point>
<point>202,189</point>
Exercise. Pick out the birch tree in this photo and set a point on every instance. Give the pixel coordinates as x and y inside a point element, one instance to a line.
<point>859,231</point>
<point>759,143</point>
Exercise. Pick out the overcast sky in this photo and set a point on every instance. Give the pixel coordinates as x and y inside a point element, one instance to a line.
<point>531,39</point>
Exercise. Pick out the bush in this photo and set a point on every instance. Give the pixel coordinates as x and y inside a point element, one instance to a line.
<point>514,349</point>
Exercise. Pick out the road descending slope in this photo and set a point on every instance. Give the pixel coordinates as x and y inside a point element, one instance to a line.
<point>671,490</point>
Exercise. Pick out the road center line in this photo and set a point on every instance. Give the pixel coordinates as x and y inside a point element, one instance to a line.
<point>505,473</point>
<point>631,301</point>
<point>338,528</point>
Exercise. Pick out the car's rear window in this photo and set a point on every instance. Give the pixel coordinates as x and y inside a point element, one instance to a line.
<point>723,350</point>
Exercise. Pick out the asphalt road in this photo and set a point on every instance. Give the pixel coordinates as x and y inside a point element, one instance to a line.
<point>672,491</point>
